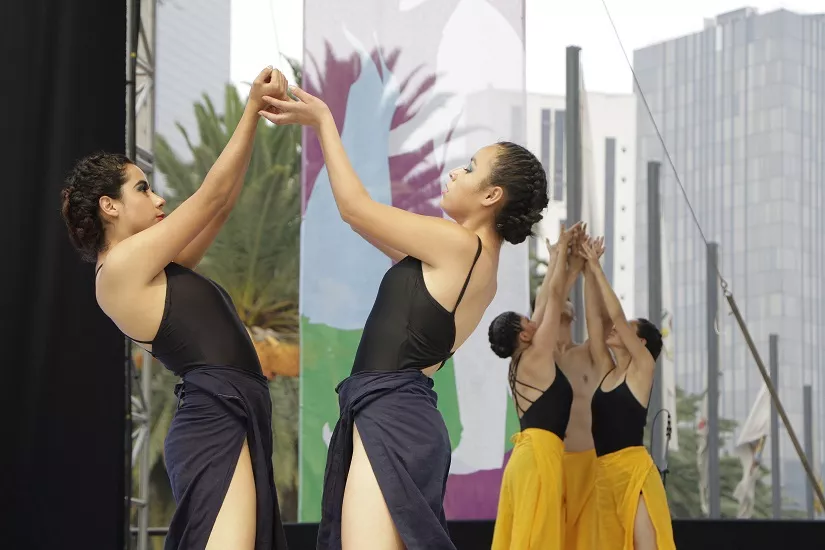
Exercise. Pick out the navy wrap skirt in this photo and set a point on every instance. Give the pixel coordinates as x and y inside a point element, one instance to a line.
<point>408,447</point>
<point>219,407</point>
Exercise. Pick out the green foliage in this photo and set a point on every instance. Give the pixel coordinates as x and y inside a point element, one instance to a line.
<point>683,479</point>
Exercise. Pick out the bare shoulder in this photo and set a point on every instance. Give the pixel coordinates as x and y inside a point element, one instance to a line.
<point>116,289</point>
<point>137,310</point>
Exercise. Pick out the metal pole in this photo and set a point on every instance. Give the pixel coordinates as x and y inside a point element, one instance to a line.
<point>145,452</point>
<point>573,137</point>
<point>132,26</point>
<point>807,408</point>
<point>654,280</point>
<point>713,380</point>
<point>132,33</point>
<point>609,208</point>
<point>776,485</point>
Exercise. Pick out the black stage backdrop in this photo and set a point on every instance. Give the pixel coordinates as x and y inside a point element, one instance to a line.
<point>63,87</point>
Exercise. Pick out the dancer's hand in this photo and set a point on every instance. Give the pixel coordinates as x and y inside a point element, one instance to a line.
<point>592,249</point>
<point>307,110</point>
<point>270,82</point>
<point>576,262</point>
<point>568,237</point>
<point>551,247</point>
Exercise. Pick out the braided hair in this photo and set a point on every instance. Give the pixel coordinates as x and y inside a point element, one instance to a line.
<point>94,176</point>
<point>503,333</point>
<point>524,181</point>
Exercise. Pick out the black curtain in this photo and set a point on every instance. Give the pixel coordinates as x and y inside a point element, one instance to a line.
<point>62,401</point>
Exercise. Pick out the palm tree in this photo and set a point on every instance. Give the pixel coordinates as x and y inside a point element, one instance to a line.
<point>255,258</point>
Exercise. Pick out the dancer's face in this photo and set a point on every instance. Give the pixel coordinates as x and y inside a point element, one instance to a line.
<point>613,339</point>
<point>138,207</point>
<point>468,190</point>
<point>528,330</point>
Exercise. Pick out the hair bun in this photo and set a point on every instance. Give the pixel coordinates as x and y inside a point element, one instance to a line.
<point>524,181</point>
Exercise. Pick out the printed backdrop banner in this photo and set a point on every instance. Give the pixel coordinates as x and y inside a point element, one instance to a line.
<point>415,87</point>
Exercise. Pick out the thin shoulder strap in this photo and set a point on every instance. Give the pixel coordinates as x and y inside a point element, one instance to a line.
<point>605,376</point>
<point>98,269</point>
<point>467,280</point>
<point>512,376</point>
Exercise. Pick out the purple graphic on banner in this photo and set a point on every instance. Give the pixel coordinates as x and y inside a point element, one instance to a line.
<point>415,176</point>
<point>474,496</point>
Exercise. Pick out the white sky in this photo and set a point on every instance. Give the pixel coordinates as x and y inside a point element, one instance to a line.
<point>262,28</point>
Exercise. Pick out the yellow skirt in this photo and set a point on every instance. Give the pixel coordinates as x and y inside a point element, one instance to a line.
<point>621,478</point>
<point>580,500</point>
<point>530,502</point>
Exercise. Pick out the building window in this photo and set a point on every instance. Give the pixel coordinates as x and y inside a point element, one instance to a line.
<point>545,140</point>
<point>558,157</point>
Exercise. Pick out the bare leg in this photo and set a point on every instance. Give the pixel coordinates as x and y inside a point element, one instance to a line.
<point>366,523</point>
<point>236,521</point>
<point>644,535</point>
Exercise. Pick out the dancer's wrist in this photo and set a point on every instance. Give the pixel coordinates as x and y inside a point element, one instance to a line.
<point>324,121</point>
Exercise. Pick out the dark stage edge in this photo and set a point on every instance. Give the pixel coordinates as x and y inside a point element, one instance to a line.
<point>689,534</point>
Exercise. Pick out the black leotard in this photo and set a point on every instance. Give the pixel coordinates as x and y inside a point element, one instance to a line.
<point>618,419</point>
<point>200,326</point>
<point>407,327</point>
<point>551,411</point>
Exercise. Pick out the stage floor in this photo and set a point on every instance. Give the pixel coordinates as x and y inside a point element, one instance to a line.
<point>689,535</point>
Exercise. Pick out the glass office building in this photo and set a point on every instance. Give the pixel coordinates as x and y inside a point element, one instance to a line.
<point>741,108</point>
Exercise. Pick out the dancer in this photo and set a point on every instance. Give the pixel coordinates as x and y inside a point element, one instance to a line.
<point>576,361</point>
<point>631,502</point>
<point>390,452</point>
<point>530,504</point>
<point>219,446</point>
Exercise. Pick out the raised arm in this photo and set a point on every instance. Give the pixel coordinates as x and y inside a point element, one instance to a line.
<point>593,307</point>
<point>432,240</point>
<point>390,252</point>
<point>548,329</point>
<point>574,264</point>
<point>575,261</point>
<point>135,261</point>
<point>641,356</point>
<point>195,250</point>
<point>541,295</point>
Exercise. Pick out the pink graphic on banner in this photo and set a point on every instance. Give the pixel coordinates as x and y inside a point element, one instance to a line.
<point>415,175</point>
<point>474,496</point>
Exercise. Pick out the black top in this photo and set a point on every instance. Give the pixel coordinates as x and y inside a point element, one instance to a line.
<point>618,419</point>
<point>407,328</point>
<point>551,411</point>
<point>200,326</point>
